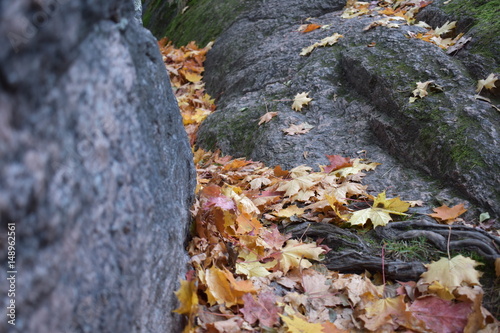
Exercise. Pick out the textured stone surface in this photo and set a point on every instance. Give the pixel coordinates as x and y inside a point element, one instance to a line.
<point>360,103</point>
<point>95,170</point>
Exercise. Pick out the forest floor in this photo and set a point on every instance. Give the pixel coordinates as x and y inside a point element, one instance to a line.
<point>247,275</point>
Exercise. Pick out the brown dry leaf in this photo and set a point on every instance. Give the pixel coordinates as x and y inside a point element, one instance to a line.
<point>324,42</point>
<point>300,100</point>
<point>329,327</point>
<point>267,117</point>
<point>446,214</point>
<point>497,266</point>
<point>298,129</point>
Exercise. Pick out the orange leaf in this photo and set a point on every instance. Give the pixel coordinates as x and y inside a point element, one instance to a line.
<point>448,214</point>
<point>311,27</point>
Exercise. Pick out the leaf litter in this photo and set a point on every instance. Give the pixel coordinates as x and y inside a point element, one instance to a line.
<point>246,276</point>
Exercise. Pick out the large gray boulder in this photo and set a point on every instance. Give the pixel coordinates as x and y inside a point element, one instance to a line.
<point>96,171</point>
<point>360,104</point>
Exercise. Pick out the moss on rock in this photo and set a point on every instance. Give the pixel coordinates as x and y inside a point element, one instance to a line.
<point>202,21</point>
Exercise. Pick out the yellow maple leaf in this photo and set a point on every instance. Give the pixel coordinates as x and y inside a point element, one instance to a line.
<point>187,296</point>
<point>488,83</point>
<point>357,166</point>
<point>452,273</point>
<point>300,100</point>
<point>379,214</point>
<point>251,267</point>
<point>295,254</point>
<point>298,325</point>
<point>394,205</point>
<point>290,211</point>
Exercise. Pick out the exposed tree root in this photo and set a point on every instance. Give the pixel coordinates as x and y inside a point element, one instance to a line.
<point>353,254</point>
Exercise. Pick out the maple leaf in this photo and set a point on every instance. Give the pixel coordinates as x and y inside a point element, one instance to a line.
<point>337,162</point>
<point>295,254</point>
<point>324,42</point>
<point>267,117</point>
<point>488,83</point>
<point>382,311</point>
<point>379,213</point>
<point>263,309</point>
<point>447,27</point>
<point>310,27</point>
<point>295,185</point>
<point>329,327</point>
<point>290,211</point>
<point>272,238</point>
<point>452,273</point>
<point>300,100</point>
<point>421,90</point>
<point>356,167</point>
<point>438,315</point>
<point>447,214</point>
<point>251,267</point>
<point>298,325</point>
<point>298,129</point>
<point>247,224</point>
<point>222,288</point>
<point>188,298</point>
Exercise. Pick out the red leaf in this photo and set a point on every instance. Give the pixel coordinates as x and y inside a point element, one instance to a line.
<point>337,162</point>
<point>440,315</point>
<point>264,309</point>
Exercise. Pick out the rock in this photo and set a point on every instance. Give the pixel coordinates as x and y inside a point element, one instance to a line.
<point>439,148</point>
<point>96,171</point>
<point>181,21</point>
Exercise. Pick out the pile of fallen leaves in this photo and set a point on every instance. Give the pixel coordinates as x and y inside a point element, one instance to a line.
<point>248,276</point>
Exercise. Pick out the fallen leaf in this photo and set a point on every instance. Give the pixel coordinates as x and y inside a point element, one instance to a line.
<point>446,214</point>
<point>300,100</point>
<point>295,254</point>
<point>252,267</point>
<point>421,90</point>
<point>188,297</point>
<point>382,311</point>
<point>452,273</point>
<point>379,213</point>
<point>311,27</point>
<point>488,83</point>
<point>267,117</point>
<point>329,327</point>
<point>290,211</point>
<point>445,28</point>
<point>298,129</point>
<point>298,325</point>
<point>324,42</point>
<point>337,162</point>
<point>223,288</point>
<point>263,309</point>
<point>438,315</point>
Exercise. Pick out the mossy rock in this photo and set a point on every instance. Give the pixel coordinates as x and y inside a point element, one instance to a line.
<point>183,21</point>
